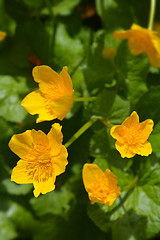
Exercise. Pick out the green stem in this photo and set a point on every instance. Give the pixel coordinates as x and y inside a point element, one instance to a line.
<point>107,124</point>
<point>80,132</point>
<point>130,188</point>
<point>131,184</point>
<point>84,99</point>
<point>152,13</point>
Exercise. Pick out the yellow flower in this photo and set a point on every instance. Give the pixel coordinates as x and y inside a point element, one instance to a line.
<point>132,136</point>
<point>101,186</point>
<point>2,35</point>
<point>43,157</point>
<point>109,52</point>
<point>54,97</point>
<point>142,40</point>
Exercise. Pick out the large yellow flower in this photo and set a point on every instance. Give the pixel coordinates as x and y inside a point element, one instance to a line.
<point>101,186</point>
<point>54,97</point>
<point>142,40</point>
<point>43,157</point>
<point>132,136</point>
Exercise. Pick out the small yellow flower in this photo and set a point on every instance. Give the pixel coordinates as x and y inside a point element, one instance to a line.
<point>43,157</point>
<point>109,53</point>
<point>101,186</point>
<point>2,35</point>
<point>54,97</point>
<point>142,40</point>
<point>132,136</point>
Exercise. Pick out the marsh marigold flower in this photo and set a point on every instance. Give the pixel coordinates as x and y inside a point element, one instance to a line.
<point>142,40</point>
<point>42,158</point>
<point>101,186</point>
<point>132,136</point>
<point>2,35</point>
<point>54,97</point>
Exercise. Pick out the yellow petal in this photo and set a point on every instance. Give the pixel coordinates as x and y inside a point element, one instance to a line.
<point>46,76</point>
<point>20,173</point>
<point>62,105</point>
<point>90,173</point>
<point>34,102</point>
<point>21,144</point>
<point>117,132</point>
<point>121,34</point>
<point>136,27</point>
<point>59,162</point>
<point>124,150</point>
<point>145,129</point>
<point>55,138</point>
<point>2,35</point>
<point>44,186</point>
<point>67,80</point>
<point>131,121</point>
<point>39,138</point>
<point>143,149</point>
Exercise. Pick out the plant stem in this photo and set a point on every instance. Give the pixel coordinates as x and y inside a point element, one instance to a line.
<point>107,124</point>
<point>152,13</point>
<point>80,132</point>
<point>130,188</point>
<point>84,99</point>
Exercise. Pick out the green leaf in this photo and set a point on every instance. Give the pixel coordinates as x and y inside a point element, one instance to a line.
<point>22,219</point>
<point>145,201</point>
<point>7,230</point>
<point>111,107</point>
<point>150,100</point>
<point>56,202</point>
<point>154,139</point>
<point>130,227</point>
<point>10,104</point>
<point>16,189</point>
<point>131,73</point>
<point>64,7</point>
<point>68,51</point>
<point>98,70</point>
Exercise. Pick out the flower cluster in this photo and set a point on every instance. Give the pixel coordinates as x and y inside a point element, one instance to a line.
<point>43,157</point>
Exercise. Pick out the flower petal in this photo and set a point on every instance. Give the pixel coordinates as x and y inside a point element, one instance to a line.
<point>34,102</point>
<point>124,150</point>
<point>40,138</point>
<point>131,121</point>
<point>143,149</point>
<point>90,173</point>
<point>59,162</point>
<point>55,138</point>
<point>46,77</point>
<point>146,128</point>
<point>62,105</point>
<point>20,173</point>
<point>21,144</point>
<point>121,34</point>
<point>67,80</point>
<point>117,132</point>
<point>44,186</point>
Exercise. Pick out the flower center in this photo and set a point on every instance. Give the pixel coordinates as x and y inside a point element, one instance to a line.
<point>100,188</point>
<point>39,167</point>
<point>52,92</point>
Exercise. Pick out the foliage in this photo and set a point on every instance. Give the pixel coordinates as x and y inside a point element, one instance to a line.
<point>56,33</point>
